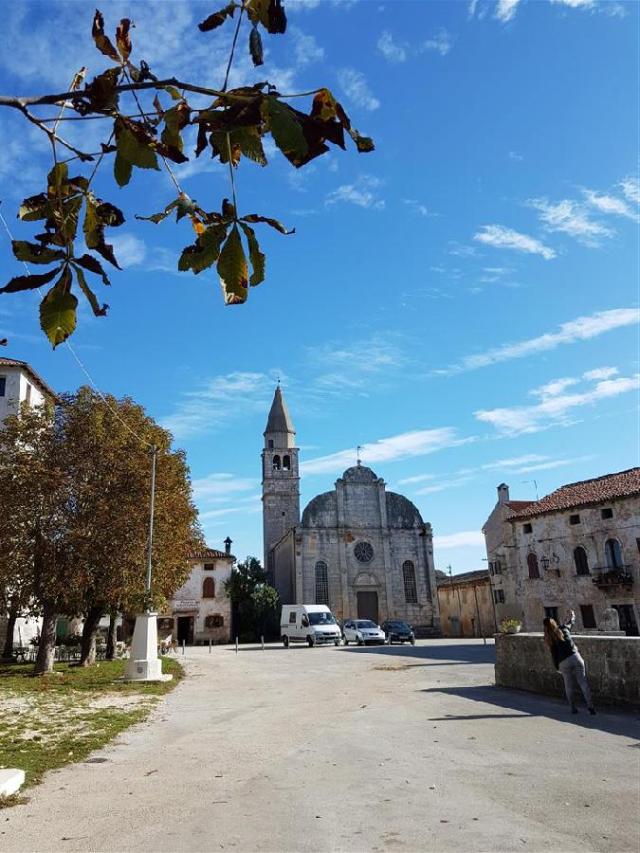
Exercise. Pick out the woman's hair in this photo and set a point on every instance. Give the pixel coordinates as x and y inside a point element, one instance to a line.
<point>552,634</point>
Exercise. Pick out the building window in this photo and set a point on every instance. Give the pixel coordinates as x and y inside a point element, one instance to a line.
<point>498,596</point>
<point>532,563</point>
<point>497,567</point>
<point>581,561</point>
<point>209,567</point>
<point>613,554</point>
<point>209,588</point>
<point>3,385</point>
<point>363,552</point>
<point>607,512</point>
<point>588,619</point>
<point>286,463</point>
<point>527,528</point>
<point>574,519</point>
<point>214,621</point>
<point>276,463</point>
<point>270,444</point>
<point>409,576</point>
<point>551,613</point>
<point>322,583</point>
<point>28,395</point>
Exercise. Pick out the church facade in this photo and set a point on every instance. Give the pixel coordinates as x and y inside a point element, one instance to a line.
<point>360,549</point>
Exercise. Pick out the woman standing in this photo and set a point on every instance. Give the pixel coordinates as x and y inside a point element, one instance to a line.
<point>567,659</point>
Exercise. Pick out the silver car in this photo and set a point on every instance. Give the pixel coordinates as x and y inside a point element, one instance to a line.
<point>362,632</point>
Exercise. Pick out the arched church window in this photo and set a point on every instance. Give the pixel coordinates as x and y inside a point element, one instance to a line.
<point>409,577</point>
<point>613,554</point>
<point>286,463</point>
<point>581,561</point>
<point>209,588</point>
<point>322,583</point>
<point>276,463</point>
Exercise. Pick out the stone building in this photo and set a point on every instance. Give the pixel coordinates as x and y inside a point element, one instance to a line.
<point>200,610</point>
<point>358,548</point>
<point>466,604</point>
<point>577,548</point>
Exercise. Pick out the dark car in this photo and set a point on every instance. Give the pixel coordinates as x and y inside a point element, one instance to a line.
<point>398,632</point>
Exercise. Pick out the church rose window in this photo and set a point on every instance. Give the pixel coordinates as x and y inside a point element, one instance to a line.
<point>409,576</point>
<point>363,552</point>
<point>322,583</point>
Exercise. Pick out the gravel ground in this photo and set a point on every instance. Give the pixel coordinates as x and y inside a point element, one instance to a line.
<point>350,749</point>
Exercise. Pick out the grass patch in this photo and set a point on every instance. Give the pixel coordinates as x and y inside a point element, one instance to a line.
<point>53,720</point>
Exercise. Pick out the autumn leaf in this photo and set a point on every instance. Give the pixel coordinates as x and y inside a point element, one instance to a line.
<point>285,129</point>
<point>254,217</point>
<point>205,251</point>
<point>134,149</point>
<point>232,269</point>
<point>58,310</point>
<point>102,41</point>
<point>98,310</point>
<point>35,207</point>
<point>256,257</point>
<point>34,253</point>
<point>123,40</point>
<point>217,18</point>
<point>29,282</point>
<point>98,215</point>
<point>93,265</point>
<point>255,46</point>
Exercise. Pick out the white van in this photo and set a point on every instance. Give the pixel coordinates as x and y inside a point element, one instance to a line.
<point>314,624</point>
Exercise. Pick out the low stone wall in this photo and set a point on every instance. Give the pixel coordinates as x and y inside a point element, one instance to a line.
<point>613,666</point>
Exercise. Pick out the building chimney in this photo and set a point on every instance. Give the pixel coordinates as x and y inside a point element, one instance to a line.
<point>503,493</point>
<point>227,545</point>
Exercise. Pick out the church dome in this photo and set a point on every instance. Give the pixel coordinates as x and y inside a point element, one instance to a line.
<point>359,474</point>
<point>401,512</point>
<point>320,511</point>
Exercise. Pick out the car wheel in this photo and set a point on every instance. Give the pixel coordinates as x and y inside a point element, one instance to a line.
<point>413,641</point>
<point>336,642</point>
<point>311,641</point>
<point>361,642</point>
<point>346,642</point>
<point>285,642</point>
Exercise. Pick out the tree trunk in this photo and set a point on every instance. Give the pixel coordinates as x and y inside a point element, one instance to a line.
<point>7,652</point>
<point>46,649</point>
<point>89,630</point>
<point>111,637</point>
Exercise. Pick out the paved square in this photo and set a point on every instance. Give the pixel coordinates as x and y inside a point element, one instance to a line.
<point>347,749</point>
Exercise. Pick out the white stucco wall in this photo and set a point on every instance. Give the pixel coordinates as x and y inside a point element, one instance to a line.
<point>16,390</point>
<point>189,601</point>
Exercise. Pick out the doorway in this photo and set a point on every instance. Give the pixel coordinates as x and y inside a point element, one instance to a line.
<point>368,605</point>
<point>185,629</point>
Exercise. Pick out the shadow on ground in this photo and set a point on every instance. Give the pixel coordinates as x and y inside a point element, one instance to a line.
<point>516,703</point>
<point>439,655</point>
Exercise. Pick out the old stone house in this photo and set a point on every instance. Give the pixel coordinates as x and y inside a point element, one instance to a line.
<point>358,548</point>
<point>577,548</point>
<point>466,604</point>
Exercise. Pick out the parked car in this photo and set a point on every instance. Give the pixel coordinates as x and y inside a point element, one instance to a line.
<point>396,631</point>
<point>362,631</point>
<point>313,624</point>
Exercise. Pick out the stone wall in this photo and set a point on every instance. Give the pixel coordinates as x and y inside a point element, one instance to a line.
<point>613,666</point>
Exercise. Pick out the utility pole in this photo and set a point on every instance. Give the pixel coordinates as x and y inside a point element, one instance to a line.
<point>154,453</point>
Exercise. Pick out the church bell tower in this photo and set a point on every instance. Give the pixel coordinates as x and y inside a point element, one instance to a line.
<point>280,477</point>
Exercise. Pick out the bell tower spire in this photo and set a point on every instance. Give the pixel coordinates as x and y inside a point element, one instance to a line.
<point>280,476</point>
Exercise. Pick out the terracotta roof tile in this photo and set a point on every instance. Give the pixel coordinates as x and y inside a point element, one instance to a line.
<point>598,490</point>
<point>211,554</point>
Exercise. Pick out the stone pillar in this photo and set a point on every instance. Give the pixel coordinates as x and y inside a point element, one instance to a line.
<point>387,566</point>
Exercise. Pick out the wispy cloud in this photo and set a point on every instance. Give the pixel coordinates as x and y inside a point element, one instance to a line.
<point>418,207</point>
<point>630,187</point>
<point>403,446</point>
<point>505,10</point>
<point>580,329</point>
<point>354,85</point>
<point>501,237</point>
<point>390,49</point>
<point>462,539</point>
<point>441,42</point>
<point>339,366</point>
<point>554,409</point>
<point>609,204</point>
<point>569,217</point>
<point>217,487</point>
<point>129,249</point>
<point>362,193</point>
<point>305,47</point>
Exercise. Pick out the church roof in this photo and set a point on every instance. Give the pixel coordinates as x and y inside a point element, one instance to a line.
<point>279,419</point>
<point>359,474</point>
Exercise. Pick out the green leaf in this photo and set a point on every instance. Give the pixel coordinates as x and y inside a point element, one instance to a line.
<point>122,171</point>
<point>216,19</point>
<point>98,215</point>
<point>58,310</point>
<point>29,282</point>
<point>102,42</point>
<point>285,129</point>
<point>254,217</point>
<point>35,207</point>
<point>205,251</point>
<point>98,310</point>
<point>57,177</point>
<point>258,12</point>
<point>175,94</point>
<point>134,145</point>
<point>243,140</point>
<point>256,257</point>
<point>174,120</point>
<point>232,269</point>
<point>34,253</point>
<point>93,265</point>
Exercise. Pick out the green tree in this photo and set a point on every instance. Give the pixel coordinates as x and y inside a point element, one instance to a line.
<point>146,134</point>
<point>255,603</point>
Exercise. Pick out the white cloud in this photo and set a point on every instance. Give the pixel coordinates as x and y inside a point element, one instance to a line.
<point>554,410</point>
<point>506,10</point>
<point>501,237</point>
<point>580,329</point>
<point>571,218</point>
<point>216,487</point>
<point>463,539</point>
<point>609,204</point>
<point>575,4</point>
<point>128,249</point>
<point>389,49</point>
<point>354,84</point>
<point>441,42</point>
<point>306,48</point>
<point>362,193</point>
<point>630,186</point>
<point>403,446</point>
<point>551,389</point>
<point>417,207</point>
<point>601,373</point>
<point>513,155</point>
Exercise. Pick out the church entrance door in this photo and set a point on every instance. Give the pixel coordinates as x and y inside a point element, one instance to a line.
<point>368,606</point>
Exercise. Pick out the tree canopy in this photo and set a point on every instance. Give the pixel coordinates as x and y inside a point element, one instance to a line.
<point>142,135</point>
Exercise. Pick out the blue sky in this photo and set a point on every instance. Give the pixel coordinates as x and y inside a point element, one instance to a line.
<point>462,302</point>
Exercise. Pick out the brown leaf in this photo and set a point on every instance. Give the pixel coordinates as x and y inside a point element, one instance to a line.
<point>255,46</point>
<point>254,217</point>
<point>217,18</point>
<point>123,39</point>
<point>29,282</point>
<point>102,42</point>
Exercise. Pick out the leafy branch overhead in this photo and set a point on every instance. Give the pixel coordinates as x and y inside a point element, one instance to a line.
<point>232,126</point>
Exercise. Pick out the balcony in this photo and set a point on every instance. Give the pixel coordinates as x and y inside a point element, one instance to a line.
<point>613,579</point>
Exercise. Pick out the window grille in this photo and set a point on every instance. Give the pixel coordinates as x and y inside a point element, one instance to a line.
<point>322,583</point>
<point>409,575</point>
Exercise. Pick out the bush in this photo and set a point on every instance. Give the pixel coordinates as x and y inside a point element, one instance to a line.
<point>510,626</point>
